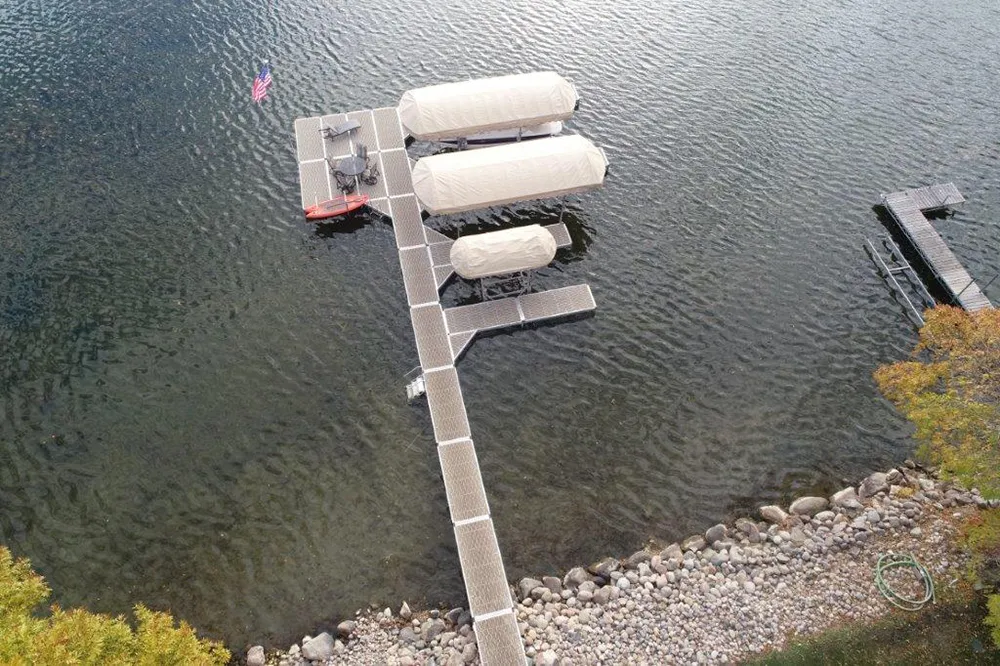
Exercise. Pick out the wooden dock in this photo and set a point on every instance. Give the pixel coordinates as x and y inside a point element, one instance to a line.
<point>441,336</point>
<point>907,208</point>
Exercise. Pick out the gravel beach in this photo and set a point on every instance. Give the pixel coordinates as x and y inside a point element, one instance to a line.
<point>713,598</point>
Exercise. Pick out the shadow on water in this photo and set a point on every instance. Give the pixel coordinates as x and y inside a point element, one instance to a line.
<point>910,253</point>
<point>573,215</point>
<point>348,224</point>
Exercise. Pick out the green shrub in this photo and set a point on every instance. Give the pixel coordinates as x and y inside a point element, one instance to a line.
<point>81,638</point>
<point>993,619</point>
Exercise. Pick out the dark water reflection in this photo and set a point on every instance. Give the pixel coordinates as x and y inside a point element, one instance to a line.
<point>201,396</point>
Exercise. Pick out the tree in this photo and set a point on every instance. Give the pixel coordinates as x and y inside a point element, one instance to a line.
<point>81,638</point>
<point>952,394</point>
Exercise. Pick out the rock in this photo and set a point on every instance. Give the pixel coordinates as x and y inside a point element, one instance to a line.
<point>575,576</point>
<point>453,615</point>
<point>319,648</point>
<point>431,628</point>
<point>584,595</point>
<point>852,505</point>
<point>773,514</point>
<point>916,531</point>
<point>346,628</point>
<point>255,656</point>
<point>525,587</point>
<point>547,658</point>
<point>824,516</point>
<point>407,636</point>
<point>696,542</point>
<point>873,485</point>
<point>604,567</point>
<point>464,620</point>
<point>808,506</point>
<point>469,653</point>
<point>623,583</point>
<point>893,476</point>
<point>872,516</point>
<point>405,612</point>
<point>672,552</point>
<point>636,558</point>
<point>445,637</point>
<point>716,533</point>
<point>553,583</point>
<point>603,595</point>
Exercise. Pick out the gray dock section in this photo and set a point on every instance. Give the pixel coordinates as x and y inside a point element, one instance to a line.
<point>907,207</point>
<point>490,601</point>
<point>441,336</point>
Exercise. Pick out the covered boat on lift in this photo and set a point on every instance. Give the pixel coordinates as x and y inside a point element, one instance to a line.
<point>468,109</point>
<point>540,169</point>
<point>497,253</point>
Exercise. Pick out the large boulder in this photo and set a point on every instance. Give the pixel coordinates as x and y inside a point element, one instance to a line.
<point>604,567</point>
<point>716,533</point>
<point>672,552</point>
<point>635,558</point>
<point>841,497</point>
<point>525,587</point>
<point>255,656</point>
<point>575,576</point>
<point>773,514</point>
<point>808,506</point>
<point>873,485</point>
<point>346,628</point>
<point>319,648</point>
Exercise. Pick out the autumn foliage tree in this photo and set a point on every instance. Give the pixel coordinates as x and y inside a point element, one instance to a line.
<point>950,390</point>
<point>80,638</point>
<point>951,393</point>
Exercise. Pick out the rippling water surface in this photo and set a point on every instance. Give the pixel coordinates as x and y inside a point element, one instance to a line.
<point>201,397</point>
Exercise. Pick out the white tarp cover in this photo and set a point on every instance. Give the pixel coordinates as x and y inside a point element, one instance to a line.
<point>453,110</point>
<point>503,252</point>
<point>536,169</point>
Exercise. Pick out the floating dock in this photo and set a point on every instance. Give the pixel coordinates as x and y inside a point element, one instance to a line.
<point>907,208</point>
<point>441,335</point>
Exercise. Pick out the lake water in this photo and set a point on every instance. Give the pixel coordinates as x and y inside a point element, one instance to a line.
<point>201,397</point>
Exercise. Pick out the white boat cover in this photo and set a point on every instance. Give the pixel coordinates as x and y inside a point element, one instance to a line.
<point>503,252</point>
<point>459,109</point>
<point>536,169</point>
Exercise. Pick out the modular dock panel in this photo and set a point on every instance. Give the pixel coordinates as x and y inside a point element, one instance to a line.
<point>441,336</point>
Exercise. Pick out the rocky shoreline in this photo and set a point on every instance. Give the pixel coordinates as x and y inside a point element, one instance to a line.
<point>713,598</point>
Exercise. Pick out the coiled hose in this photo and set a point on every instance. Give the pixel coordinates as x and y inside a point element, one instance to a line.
<point>891,560</point>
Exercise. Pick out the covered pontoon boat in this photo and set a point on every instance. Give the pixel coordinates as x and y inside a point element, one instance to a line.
<point>503,252</point>
<point>469,108</point>
<point>540,169</point>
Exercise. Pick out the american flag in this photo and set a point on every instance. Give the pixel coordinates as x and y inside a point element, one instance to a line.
<point>262,83</point>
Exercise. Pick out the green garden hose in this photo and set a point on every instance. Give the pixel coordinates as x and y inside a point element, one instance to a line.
<point>891,560</point>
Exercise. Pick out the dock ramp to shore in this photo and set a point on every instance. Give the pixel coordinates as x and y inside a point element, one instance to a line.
<point>441,335</point>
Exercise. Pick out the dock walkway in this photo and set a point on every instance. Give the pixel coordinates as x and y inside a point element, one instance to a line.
<point>441,336</point>
<point>907,207</point>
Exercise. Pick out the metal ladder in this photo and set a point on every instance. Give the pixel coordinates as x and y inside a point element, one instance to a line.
<point>898,265</point>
